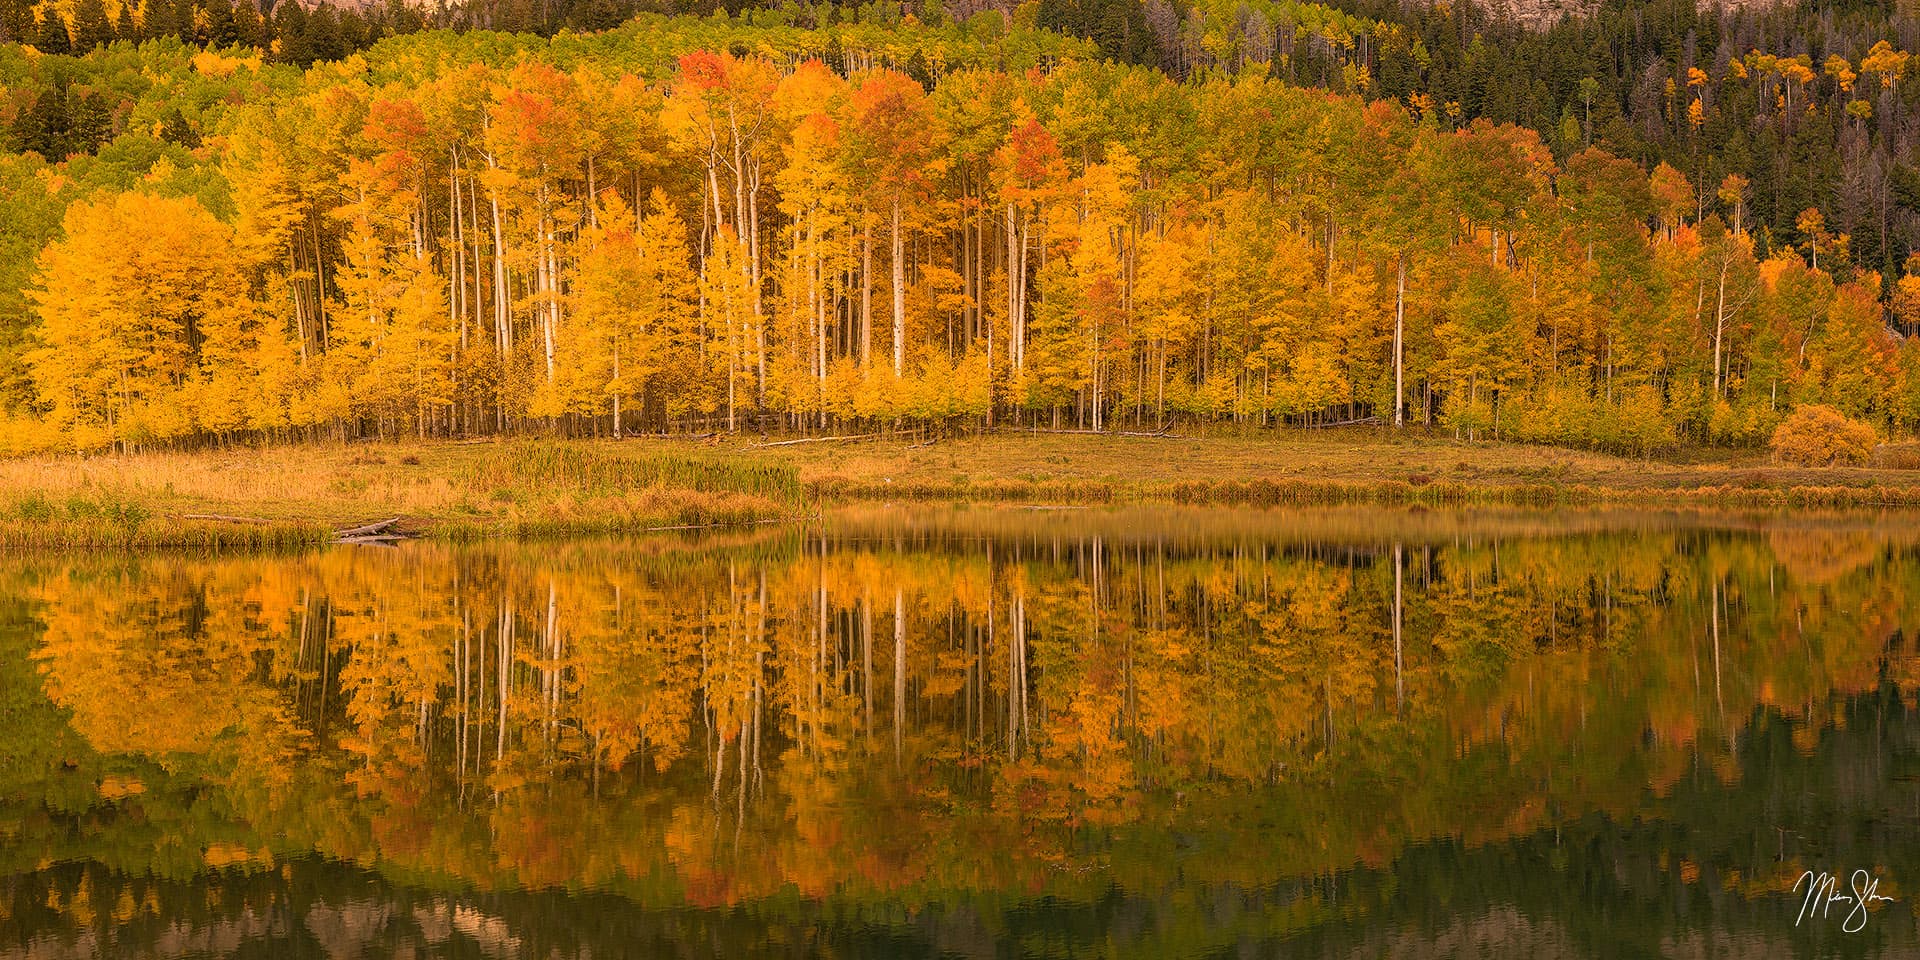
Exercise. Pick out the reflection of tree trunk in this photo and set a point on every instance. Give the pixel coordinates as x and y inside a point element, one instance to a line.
<point>1013,682</point>
<point>982,658</point>
<point>1715,615</point>
<point>504,687</point>
<point>820,648</point>
<point>1017,684</point>
<point>719,763</point>
<point>550,676</point>
<point>866,660</point>
<point>758,700</point>
<point>759,672</point>
<point>480,704</point>
<point>1326,691</point>
<point>1399,689</point>
<point>899,663</point>
<point>461,661</point>
<point>740,805</point>
<point>326,663</point>
<point>306,617</point>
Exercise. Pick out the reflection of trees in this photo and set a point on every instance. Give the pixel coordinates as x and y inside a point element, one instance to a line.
<point>166,658</point>
<point>1703,880</point>
<point>918,712</point>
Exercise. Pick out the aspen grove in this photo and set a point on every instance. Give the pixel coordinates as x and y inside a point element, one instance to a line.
<point>446,237</point>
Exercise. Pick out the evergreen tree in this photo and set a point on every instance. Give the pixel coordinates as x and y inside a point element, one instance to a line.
<point>222,31</point>
<point>123,26</point>
<point>290,29</point>
<point>186,21</point>
<point>248,28</point>
<point>323,35</point>
<point>156,19</point>
<point>90,123</point>
<point>174,128</point>
<point>53,38</point>
<point>402,17</point>
<point>1118,26</point>
<point>355,32</point>
<point>39,127</point>
<point>91,29</point>
<point>16,21</point>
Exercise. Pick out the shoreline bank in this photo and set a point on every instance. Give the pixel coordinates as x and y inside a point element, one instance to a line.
<point>297,496</point>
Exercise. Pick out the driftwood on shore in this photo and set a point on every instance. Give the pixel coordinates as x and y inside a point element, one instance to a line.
<point>379,532</point>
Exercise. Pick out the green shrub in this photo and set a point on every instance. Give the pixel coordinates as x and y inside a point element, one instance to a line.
<point>1820,436</point>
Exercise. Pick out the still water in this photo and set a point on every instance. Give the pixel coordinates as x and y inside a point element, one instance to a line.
<point>977,733</point>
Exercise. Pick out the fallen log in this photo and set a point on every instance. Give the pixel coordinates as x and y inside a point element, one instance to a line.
<point>1370,421</point>
<point>783,443</point>
<point>1160,434</point>
<point>379,526</point>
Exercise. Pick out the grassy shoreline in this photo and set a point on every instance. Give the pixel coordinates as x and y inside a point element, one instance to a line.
<point>522,488</point>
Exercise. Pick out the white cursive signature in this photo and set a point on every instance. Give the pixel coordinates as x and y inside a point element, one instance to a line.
<point>1823,891</point>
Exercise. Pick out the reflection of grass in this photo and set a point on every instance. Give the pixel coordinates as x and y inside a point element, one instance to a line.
<point>554,487</point>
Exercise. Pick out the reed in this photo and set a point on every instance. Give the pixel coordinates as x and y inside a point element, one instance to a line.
<point>33,524</point>
<point>301,495</point>
<point>552,466</point>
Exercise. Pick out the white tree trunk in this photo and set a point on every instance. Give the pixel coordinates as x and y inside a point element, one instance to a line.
<point>1399,344</point>
<point>899,297</point>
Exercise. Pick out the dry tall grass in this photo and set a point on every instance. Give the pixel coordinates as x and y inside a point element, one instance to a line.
<point>555,487</point>
<point>302,494</point>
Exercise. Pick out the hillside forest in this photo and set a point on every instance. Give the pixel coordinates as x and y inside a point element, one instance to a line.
<point>847,218</point>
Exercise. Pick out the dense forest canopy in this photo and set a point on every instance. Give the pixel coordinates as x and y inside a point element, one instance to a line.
<point>1658,225</point>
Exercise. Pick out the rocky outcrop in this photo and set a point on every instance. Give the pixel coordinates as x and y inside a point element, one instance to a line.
<point>1541,14</point>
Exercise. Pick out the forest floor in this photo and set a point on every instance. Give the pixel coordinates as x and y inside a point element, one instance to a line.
<point>244,496</point>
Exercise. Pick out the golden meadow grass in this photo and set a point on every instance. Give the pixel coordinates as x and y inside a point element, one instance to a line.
<point>523,488</point>
<point>249,498</point>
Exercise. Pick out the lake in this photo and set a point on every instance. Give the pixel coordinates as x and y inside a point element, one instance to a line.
<point>985,732</point>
